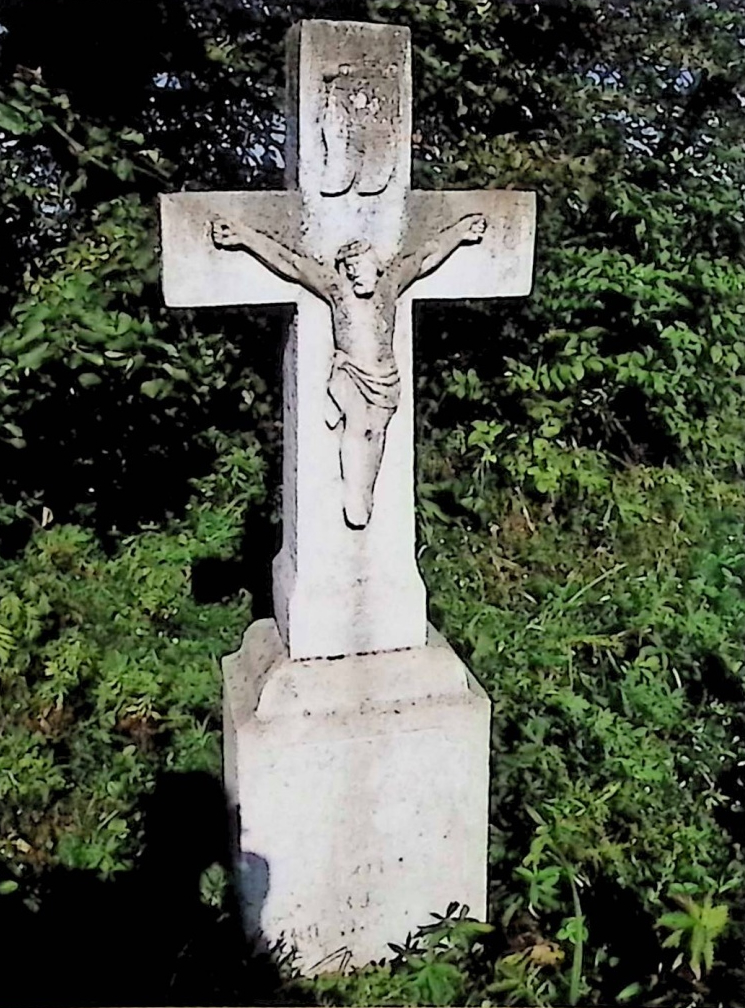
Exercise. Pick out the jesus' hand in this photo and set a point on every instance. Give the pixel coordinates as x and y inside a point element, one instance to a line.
<point>224,233</point>
<point>474,226</point>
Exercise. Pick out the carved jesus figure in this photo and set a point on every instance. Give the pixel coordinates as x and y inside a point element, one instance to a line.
<point>364,386</point>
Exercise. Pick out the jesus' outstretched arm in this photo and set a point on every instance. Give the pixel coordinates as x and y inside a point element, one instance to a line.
<point>288,264</point>
<point>469,230</point>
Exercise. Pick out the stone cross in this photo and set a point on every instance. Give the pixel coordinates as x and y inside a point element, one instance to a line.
<point>360,785</point>
<point>351,245</point>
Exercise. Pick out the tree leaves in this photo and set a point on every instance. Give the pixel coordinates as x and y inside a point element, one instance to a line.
<point>11,120</point>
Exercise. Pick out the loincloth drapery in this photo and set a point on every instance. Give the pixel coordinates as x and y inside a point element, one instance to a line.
<point>379,387</point>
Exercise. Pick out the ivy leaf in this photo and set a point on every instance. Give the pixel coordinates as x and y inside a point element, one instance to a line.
<point>124,169</point>
<point>154,387</point>
<point>133,136</point>
<point>12,121</point>
<point>34,358</point>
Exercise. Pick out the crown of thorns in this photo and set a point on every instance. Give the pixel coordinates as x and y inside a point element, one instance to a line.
<point>353,250</point>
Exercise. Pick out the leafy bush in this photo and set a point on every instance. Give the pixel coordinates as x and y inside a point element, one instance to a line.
<point>610,640</point>
<point>109,672</point>
<point>581,500</point>
<point>436,966</point>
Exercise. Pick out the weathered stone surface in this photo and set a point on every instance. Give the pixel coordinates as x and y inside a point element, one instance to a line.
<point>352,246</point>
<point>349,90</point>
<point>361,783</point>
<point>362,789</point>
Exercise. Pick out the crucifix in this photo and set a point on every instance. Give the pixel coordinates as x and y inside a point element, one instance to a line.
<point>351,245</point>
<point>356,742</point>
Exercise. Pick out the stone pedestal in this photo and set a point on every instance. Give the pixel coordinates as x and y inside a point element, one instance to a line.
<point>361,786</point>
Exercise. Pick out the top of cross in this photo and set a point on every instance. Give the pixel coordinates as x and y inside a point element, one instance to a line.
<point>349,94</point>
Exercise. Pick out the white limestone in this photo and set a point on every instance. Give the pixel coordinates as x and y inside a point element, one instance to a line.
<point>363,792</point>
<point>356,742</point>
<point>341,590</point>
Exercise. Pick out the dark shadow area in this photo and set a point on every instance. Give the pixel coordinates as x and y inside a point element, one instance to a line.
<point>714,681</point>
<point>617,921</point>
<point>727,986</point>
<point>467,334</point>
<point>85,41</point>
<point>731,816</point>
<point>13,538</point>
<point>94,450</point>
<point>145,937</point>
<point>636,434</point>
<point>730,783</point>
<point>90,452</point>
<point>214,579</point>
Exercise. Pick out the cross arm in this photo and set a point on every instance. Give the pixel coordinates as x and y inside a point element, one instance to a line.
<point>196,272</point>
<point>500,264</point>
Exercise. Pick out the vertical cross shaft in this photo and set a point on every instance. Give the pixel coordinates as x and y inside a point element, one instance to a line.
<point>339,590</point>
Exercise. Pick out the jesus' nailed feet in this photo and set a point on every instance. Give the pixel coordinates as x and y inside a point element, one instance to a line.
<point>364,387</point>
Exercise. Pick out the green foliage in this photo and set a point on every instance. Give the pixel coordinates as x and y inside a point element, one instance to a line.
<point>109,672</point>
<point>432,968</point>
<point>596,633</point>
<point>522,978</point>
<point>580,491</point>
<point>630,348</point>
<point>701,924</point>
<point>213,885</point>
<point>580,469</point>
<point>84,331</point>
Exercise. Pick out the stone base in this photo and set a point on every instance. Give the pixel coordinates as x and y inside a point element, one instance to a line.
<point>361,786</point>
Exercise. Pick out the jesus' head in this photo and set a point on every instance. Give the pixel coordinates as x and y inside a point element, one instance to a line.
<point>361,267</point>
